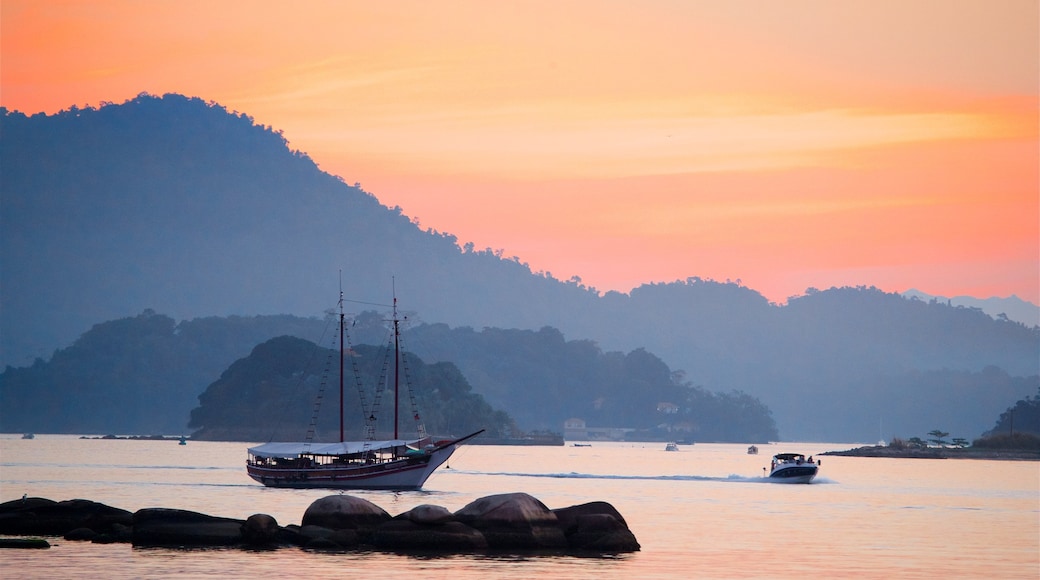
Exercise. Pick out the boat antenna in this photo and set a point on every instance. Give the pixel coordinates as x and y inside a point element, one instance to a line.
<point>397,353</point>
<point>342,323</point>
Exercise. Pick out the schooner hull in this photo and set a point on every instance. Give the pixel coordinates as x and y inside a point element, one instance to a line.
<point>402,474</point>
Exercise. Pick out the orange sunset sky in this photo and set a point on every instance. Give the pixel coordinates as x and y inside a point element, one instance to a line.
<point>789,145</point>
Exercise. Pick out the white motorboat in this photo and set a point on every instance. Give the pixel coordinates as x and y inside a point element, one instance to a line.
<point>792,468</point>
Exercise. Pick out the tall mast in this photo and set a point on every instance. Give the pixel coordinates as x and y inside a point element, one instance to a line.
<point>342,323</point>
<point>397,362</point>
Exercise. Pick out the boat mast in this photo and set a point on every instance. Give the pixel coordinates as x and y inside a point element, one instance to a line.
<point>342,323</point>
<point>397,362</point>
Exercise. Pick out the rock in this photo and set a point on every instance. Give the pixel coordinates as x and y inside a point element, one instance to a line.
<point>568,516</point>
<point>345,512</point>
<point>514,521</point>
<point>323,544</point>
<point>24,543</point>
<point>42,516</point>
<point>596,526</point>
<point>602,533</point>
<point>81,535</point>
<point>120,534</point>
<point>427,514</point>
<point>428,528</point>
<point>341,539</point>
<point>403,534</point>
<point>260,530</point>
<point>181,528</point>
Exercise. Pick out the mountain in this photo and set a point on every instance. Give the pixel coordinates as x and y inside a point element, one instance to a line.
<point>147,374</point>
<point>270,396</point>
<point>179,206</point>
<point>1011,308</point>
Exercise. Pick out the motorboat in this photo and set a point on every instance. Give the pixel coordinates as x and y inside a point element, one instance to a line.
<point>792,468</point>
<point>671,447</point>
<point>753,450</point>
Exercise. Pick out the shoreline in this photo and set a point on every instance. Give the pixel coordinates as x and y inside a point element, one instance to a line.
<point>940,453</point>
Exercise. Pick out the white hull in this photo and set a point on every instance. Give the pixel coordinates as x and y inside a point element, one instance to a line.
<point>792,468</point>
<point>400,474</point>
<point>792,479</point>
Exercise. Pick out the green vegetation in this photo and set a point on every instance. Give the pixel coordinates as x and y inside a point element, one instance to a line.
<point>288,384</point>
<point>544,379</point>
<point>1016,428</point>
<point>1008,441</point>
<point>145,375</point>
<point>938,437</point>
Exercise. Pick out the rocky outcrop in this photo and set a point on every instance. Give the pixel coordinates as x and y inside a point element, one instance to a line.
<point>40,516</point>
<point>597,527</point>
<point>260,530</point>
<point>514,522</point>
<point>346,512</point>
<point>429,528</point>
<point>25,543</point>
<point>181,528</point>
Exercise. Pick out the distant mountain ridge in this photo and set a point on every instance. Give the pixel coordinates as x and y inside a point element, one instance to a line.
<point>1013,307</point>
<point>177,205</point>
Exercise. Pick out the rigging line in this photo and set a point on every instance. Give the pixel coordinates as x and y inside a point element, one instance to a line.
<point>420,426</point>
<point>298,388</point>
<point>368,303</point>
<point>368,417</point>
<point>312,427</point>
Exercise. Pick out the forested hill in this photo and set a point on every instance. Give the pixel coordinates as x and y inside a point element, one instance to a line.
<point>270,396</point>
<point>148,374</point>
<point>180,206</point>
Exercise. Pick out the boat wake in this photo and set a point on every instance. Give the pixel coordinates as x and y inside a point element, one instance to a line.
<point>733,478</point>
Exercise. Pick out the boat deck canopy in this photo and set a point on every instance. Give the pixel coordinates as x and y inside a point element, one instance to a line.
<point>293,450</point>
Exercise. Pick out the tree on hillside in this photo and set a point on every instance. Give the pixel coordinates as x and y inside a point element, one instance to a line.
<point>938,437</point>
<point>1024,417</point>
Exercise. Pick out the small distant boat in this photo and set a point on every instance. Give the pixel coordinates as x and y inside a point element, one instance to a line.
<point>28,436</point>
<point>753,450</point>
<point>184,440</point>
<point>583,444</point>
<point>792,468</point>
<point>671,447</point>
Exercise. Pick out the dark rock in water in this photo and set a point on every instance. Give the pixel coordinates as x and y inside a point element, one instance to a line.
<point>514,521</point>
<point>181,528</point>
<point>24,543</point>
<point>81,535</point>
<point>36,515</point>
<point>602,533</point>
<point>568,516</point>
<point>511,522</point>
<point>596,526</point>
<point>402,534</point>
<point>323,544</point>
<point>260,530</point>
<point>345,512</point>
<point>427,514</point>
<point>120,534</point>
<point>318,536</point>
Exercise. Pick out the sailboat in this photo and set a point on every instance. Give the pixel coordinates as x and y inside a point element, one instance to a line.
<point>392,464</point>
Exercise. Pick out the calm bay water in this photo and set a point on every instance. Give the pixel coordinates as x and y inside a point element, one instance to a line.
<point>704,512</point>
